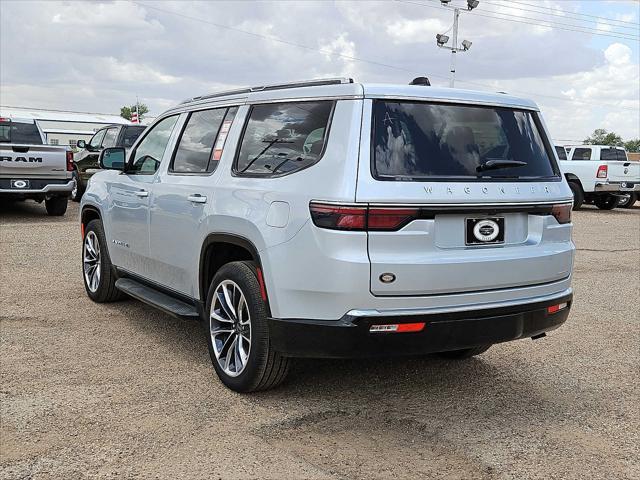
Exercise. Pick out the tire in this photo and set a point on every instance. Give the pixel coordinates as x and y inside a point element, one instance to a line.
<point>465,352</point>
<point>95,255</point>
<point>606,202</point>
<point>628,200</point>
<point>578,195</point>
<point>78,190</point>
<point>56,206</point>
<point>243,331</point>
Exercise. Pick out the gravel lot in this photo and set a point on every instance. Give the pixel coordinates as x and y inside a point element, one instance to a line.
<point>124,391</point>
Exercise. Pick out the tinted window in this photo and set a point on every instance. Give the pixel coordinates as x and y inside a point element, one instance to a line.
<point>96,140</point>
<point>110,138</point>
<point>613,154</point>
<point>196,144</point>
<point>283,138</point>
<point>423,141</point>
<point>562,154</point>
<point>130,135</point>
<point>148,155</point>
<point>19,132</point>
<point>581,154</point>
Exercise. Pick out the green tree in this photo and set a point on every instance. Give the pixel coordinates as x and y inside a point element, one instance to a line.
<point>125,112</point>
<point>632,145</point>
<point>601,137</point>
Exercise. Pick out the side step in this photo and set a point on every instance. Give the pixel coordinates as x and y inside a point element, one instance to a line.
<point>157,299</point>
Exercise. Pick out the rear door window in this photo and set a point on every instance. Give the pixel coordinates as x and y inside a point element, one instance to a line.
<point>195,152</point>
<point>581,154</point>
<point>562,154</point>
<point>283,138</point>
<point>424,141</point>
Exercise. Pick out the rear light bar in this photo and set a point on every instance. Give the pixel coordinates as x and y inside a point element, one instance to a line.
<point>69,161</point>
<point>397,328</point>
<point>603,171</point>
<point>556,308</point>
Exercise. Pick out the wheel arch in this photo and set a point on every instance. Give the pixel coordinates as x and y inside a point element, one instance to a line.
<point>573,178</point>
<point>221,248</point>
<point>89,213</point>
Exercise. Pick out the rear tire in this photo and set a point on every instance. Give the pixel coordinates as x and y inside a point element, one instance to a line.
<point>56,206</point>
<point>97,271</point>
<point>465,352</point>
<point>606,202</point>
<point>629,201</point>
<point>238,334</point>
<point>578,195</point>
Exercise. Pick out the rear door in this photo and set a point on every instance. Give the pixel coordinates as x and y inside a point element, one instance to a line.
<point>620,169</point>
<point>449,209</point>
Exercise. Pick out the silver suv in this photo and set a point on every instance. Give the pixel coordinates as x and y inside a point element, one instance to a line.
<point>335,219</point>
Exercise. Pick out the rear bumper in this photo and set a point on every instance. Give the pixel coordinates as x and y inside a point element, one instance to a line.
<point>47,188</point>
<point>617,187</point>
<point>350,337</point>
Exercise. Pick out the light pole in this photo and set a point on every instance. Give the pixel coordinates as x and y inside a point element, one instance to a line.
<point>443,38</point>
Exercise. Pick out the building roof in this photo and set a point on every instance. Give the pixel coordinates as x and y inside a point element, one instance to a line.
<point>61,116</point>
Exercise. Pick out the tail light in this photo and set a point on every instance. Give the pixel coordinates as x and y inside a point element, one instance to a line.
<point>562,212</point>
<point>603,170</point>
<point>69,161</point>
<point>356,218</point>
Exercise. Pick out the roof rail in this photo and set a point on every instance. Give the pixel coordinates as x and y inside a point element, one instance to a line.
<point>275,86</point>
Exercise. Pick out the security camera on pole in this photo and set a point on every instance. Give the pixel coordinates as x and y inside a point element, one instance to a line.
<point>443,38</point>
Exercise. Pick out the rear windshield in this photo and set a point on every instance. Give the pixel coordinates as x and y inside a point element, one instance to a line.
<point>608,154</point>
<point>423,141</point>
<point>19,132</point>
<point>130,135</point>
<point>562,153</point>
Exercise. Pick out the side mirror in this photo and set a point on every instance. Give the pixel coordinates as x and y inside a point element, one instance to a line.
<point>81,144</point>
<point>112,158</point>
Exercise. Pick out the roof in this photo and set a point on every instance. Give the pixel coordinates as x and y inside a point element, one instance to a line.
<point>347,89</point>
<point>25,113</point>
<point>588,145</point>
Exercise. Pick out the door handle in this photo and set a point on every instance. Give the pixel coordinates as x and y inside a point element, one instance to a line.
<point>142,193</point>
<point>197,198</point>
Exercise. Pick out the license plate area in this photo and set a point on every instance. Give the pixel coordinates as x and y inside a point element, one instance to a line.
<point>484,230</point>
<point>19,184</point>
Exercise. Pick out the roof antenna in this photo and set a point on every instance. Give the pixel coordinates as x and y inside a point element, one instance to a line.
<point>421,81</point>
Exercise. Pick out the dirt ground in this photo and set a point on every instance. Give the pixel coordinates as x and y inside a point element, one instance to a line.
<point>124,391</point>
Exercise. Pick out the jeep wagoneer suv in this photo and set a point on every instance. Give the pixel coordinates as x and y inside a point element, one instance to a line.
<point>335,219</point>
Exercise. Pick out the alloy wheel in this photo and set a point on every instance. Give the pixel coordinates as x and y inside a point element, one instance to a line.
<point>230,328</point>
<point>91,261</point>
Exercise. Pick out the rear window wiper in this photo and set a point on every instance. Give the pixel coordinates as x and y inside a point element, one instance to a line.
<point>495,163</point>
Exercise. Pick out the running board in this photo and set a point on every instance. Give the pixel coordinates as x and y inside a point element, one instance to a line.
<point>153,297</point>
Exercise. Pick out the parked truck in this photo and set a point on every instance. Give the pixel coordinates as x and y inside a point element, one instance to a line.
<point>600,174</point>
<point>30,169</point>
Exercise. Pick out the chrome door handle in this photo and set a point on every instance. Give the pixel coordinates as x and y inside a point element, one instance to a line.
<point>142,193</point>
<point>197,198</point>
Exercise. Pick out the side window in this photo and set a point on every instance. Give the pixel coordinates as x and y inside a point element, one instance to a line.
<point>110,138</point>
<point>130,135</point>
<point>195,152</point>
<point>96,140</point>
<point>613,154</point>
<point>283,138</point>
<point>581,154</point>
<point>147,157</point>
<point>562,154</point>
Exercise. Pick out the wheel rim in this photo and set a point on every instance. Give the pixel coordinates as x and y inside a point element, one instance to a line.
<point>74,190</point>
<point>230,327</point>
<point>91,261</point>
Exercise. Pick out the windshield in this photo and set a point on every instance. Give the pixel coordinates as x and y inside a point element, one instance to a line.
<point>423,141</point>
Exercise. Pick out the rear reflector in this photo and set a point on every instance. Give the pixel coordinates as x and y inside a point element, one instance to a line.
<point>556,308</point>
<point>397,328</point>
<point>602,171</point>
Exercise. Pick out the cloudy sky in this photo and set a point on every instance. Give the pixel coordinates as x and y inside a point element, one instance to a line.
<point>578,59</point>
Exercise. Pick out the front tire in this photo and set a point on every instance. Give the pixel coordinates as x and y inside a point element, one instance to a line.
<point>97,270</point>
<point>238,334</point>
<point>628,200</point>
<point>606,202</point>
<point>578,195</point>
<point>56,206</point>
<point>78,190</point>
<point>464,353</point>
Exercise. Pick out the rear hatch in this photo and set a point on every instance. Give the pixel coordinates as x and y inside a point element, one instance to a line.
<point>619,168</point>
<point>461,198</point>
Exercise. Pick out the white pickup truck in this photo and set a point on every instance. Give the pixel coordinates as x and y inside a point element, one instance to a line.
<point>30,169</point>
<point>600,174</point>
